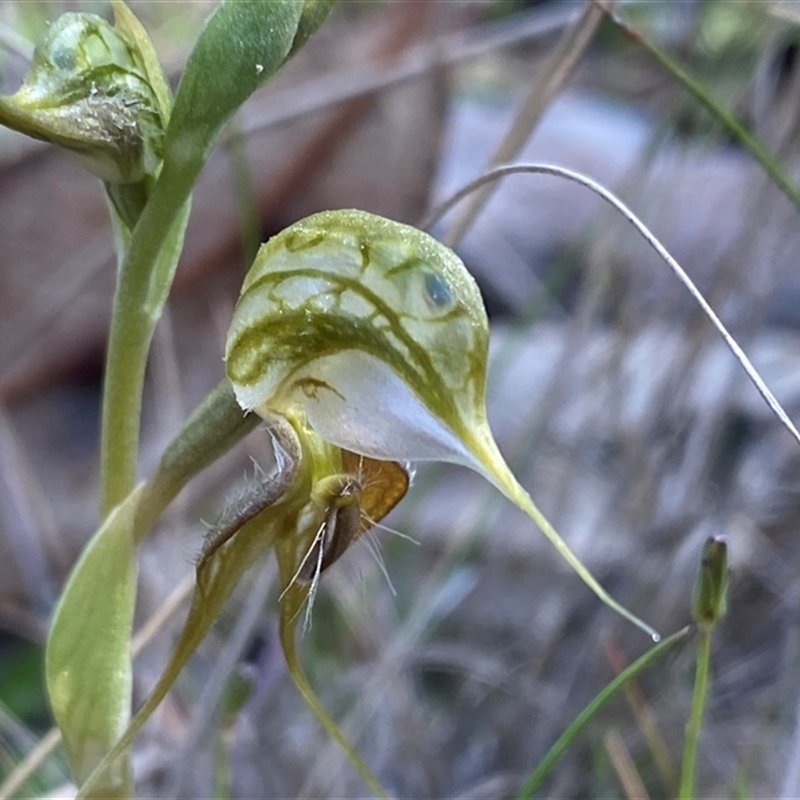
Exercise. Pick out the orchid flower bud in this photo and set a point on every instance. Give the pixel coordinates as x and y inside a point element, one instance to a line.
<point>710,593</point>
<point>88,90</point>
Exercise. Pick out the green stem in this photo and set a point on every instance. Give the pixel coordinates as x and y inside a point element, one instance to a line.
<point>129,342</point>
<point>145,276</point>
<point>696,717</point>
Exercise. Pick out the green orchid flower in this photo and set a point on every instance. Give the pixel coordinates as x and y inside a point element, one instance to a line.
<point>379,334</point>
<point>362,343</point>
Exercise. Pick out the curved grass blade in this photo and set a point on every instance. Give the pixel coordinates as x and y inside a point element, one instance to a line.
<point>752,143</point>
<point>643,230</point>
<point>535,778</point>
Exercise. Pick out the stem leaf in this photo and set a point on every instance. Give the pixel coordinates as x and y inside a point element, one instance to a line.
<point>88,660</point>
<point>241,46</point>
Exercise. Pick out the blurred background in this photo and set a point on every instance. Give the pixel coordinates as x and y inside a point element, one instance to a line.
<point>453,661</point>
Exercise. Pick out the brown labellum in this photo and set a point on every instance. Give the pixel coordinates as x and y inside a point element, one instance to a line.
<point>362,496</point>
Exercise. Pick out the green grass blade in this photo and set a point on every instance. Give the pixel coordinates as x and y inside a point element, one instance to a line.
<point>535,778</point>
<point>752,143</point>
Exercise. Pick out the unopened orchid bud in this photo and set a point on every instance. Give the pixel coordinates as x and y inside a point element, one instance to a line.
<point>710,595</point>
<point>88,91</point>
